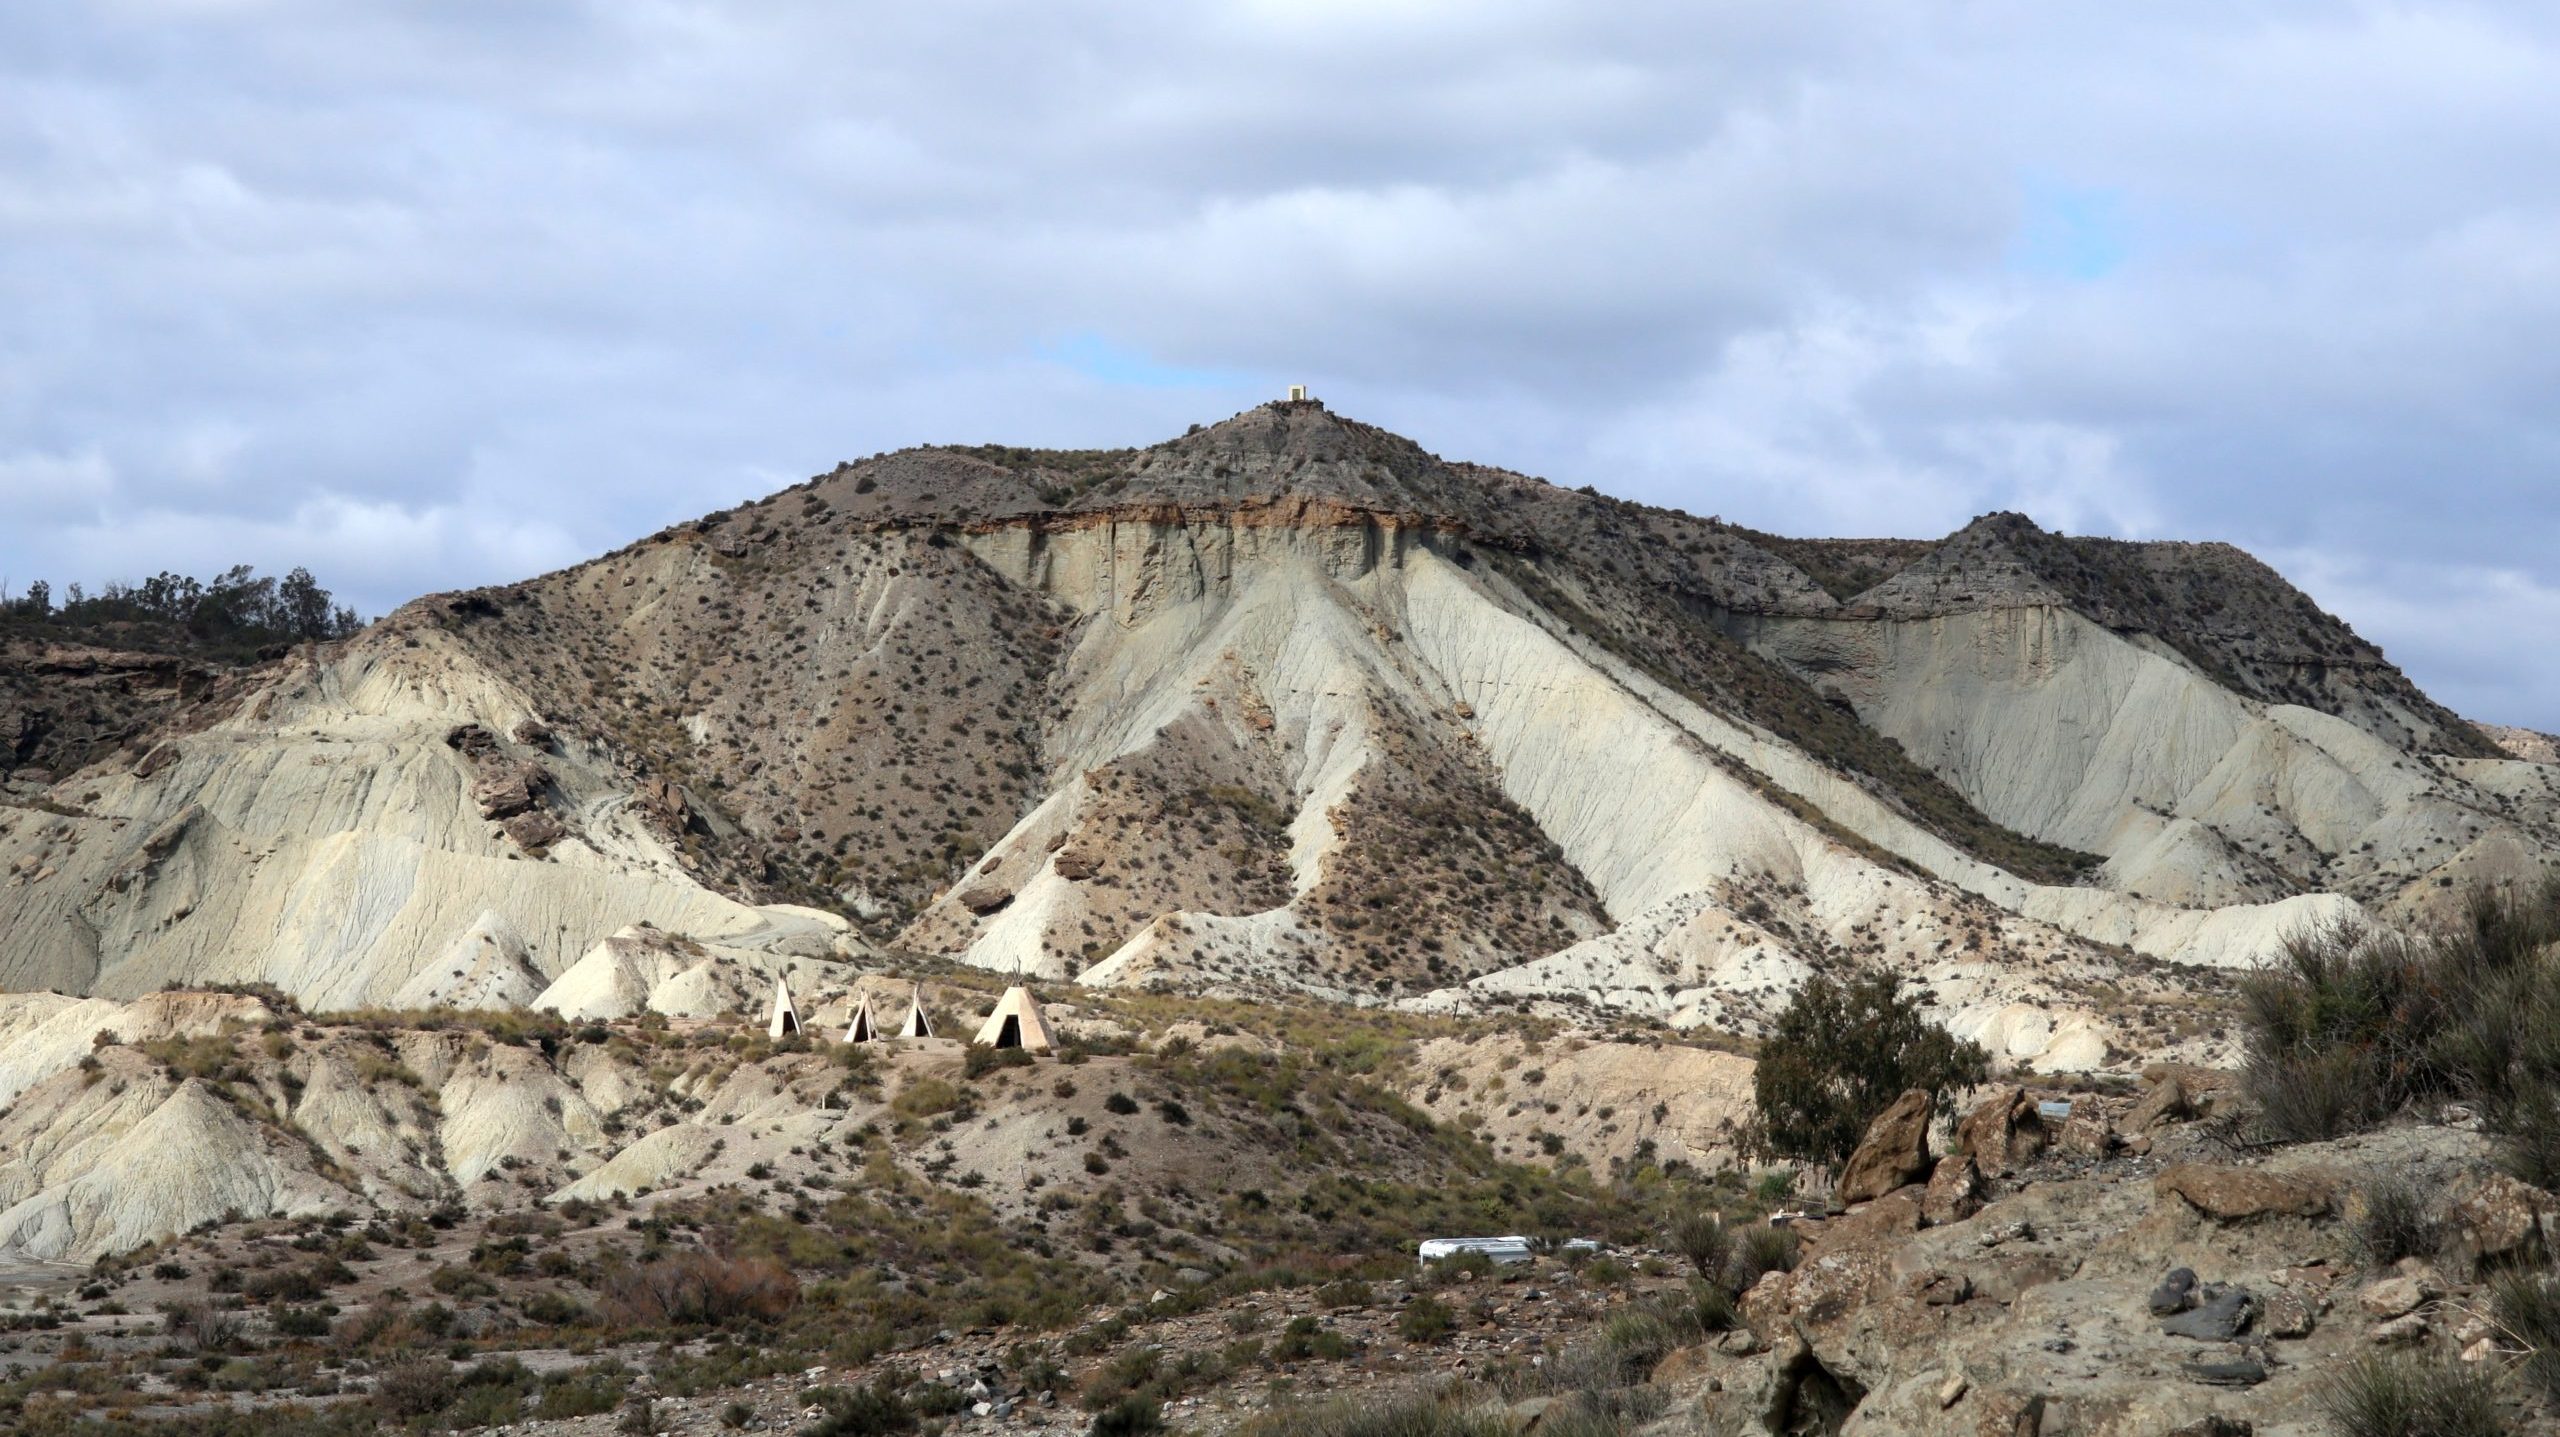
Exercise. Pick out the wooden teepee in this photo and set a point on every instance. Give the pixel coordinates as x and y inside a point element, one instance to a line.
<point>1016,1023</point>
<point>865,1027</point>
<point>786,1014</point>
<point>917,1024</point>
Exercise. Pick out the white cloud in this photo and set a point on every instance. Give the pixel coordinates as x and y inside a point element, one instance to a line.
<point>39,490</point>
<point>431,291</point>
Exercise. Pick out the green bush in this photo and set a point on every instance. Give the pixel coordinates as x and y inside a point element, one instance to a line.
<point>412,1389</point>
<point>2396,1218</point>
<point>1422,1412</point>
<point>1704,1240</point>
<point>1759,1250</point>
<point>2349,1027</point>
<point>1841,1053</point>
<point>873,1411</point>
<point>2526,1308</point>
<point>1129,1417</point>
<point>2344,1030</point>
<point>2393,1395</point>
<point>1426,1319</point>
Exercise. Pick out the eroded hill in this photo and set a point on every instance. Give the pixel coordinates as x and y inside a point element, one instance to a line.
<point>1289,705</point>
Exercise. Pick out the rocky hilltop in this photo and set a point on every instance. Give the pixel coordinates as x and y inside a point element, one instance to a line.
<point>1401,848</point>
<point>1289,705</point>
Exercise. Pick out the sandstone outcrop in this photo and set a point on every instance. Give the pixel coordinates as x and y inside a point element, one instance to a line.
<point>1892,1155</point>
<point>2227,1194</point>
<point>2003,1133</point>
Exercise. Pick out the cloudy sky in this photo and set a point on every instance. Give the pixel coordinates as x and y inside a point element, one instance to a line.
<point>433,293</point>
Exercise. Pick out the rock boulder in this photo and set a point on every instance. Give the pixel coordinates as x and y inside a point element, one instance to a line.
<point>2002,1134</point>
<point>2243,1194</point>
<point>1894,1154</point>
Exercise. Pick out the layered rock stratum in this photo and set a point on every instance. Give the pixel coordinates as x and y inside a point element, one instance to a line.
<point>1284,706</point>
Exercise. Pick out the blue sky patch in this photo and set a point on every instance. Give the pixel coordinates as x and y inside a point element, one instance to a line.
<point>2071,232</point>
<point>1093,355</point>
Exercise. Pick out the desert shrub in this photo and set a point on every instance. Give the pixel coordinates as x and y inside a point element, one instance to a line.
<point>209,1328</point>
<point>700,1289</point>
<point>1120,1103</point>
<point>299,1322</point>
<point>1704,1240</point>
<point>1624,1349</point>
<point>1420,1412</point>
<point>412,1389</point>
<point>980,1061</point>
<point>2341,1028</point>
<point>1304,1338</point>
<point>1759,1250</point>
<point>1457,1267</point>
<point>587,1392</point>
<point>553,1309</point>
<point>1713,1307</point>
<point>873,1411</point>
<point>2394,1395</point>
<point>1122,1377</point>
<point>2395,1218</point>
<point>1841,1053</point>
<point>1131,1416</point>
<point>927,1096</point>
<point>1426,1319</point>
<point>1605,1412</point>
<point>2348,1027</point>
<point>1346,1292</point>
<point>2526,1308</point>
<point>213,1058</point>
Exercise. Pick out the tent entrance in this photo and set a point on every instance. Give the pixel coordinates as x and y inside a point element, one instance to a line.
<point>1010,1035</point>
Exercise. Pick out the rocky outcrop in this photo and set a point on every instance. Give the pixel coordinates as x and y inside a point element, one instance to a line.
<point>1893,1154</point>
<point>2492,1218</point>
<point>2003,1133</point>
<point>2227,1194</point>
<point>1956,1191</point>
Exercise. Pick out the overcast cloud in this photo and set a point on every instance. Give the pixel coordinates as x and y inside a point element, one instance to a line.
<point>452,291</point>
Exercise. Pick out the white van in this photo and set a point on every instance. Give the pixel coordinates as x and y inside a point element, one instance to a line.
<point>1504,1251</point>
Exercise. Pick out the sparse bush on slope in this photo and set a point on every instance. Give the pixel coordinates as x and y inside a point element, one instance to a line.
<point>1421,1412</point>
<point>1841,1053</point>
<point>2396,1218</point>
<point>2394,1395</point>
<point>2348,1027</point>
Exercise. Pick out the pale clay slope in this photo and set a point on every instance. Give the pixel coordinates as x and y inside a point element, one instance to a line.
<point>149,1168</point>
<point>101,1149</point>
<point>2066,731</point>
<point>648,970</point>
<point>325,839</point>
<point>1614,768</point>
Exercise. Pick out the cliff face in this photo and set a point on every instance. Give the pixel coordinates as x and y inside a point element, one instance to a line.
<point>1290,704</point>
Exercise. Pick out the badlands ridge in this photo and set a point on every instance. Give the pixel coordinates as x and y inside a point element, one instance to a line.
<point>1289,705</point>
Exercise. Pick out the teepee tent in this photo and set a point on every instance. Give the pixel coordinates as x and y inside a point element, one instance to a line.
<point>786,1014</point>
<point>1016,1023</point>
<point>917,1024</point>
<point>865,1027</point>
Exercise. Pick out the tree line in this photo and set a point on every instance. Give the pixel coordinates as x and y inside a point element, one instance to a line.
<point>236,613</point>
